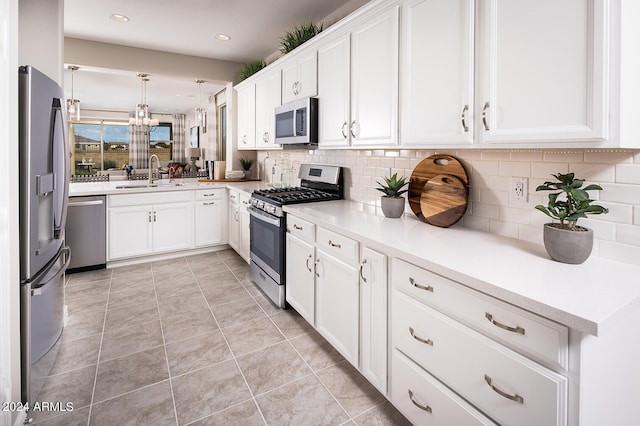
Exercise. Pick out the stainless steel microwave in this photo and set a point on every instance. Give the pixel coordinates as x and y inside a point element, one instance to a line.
<point>297,123</point>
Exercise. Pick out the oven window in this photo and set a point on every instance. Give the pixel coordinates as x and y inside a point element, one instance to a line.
<point>284,124</point>
<point>267,243</point>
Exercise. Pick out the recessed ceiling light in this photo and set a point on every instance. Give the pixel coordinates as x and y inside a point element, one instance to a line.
<point>222,37</point>
<point>118,17</point>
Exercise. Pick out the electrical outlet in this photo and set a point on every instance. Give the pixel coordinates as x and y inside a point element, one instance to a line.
<point>519,190</point>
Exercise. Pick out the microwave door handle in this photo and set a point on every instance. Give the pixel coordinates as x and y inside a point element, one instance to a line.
<point>295,122</point>
<point>61,167</point>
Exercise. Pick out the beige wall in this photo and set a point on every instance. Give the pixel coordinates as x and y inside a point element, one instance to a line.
<point>617,234</point>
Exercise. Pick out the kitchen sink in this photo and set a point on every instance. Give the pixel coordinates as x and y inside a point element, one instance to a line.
<point>153,185</point>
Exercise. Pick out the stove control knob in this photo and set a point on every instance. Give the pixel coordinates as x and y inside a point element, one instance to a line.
<point>272,209</point>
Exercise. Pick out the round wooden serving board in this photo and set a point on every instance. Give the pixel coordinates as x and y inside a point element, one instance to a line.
<point>429,168</point>
<point>443,201</point>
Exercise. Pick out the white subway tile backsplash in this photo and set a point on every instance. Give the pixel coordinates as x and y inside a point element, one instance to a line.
<point>628,234</point>
<point>489,211</point>
<point>628,173</point>
<point>526,155</point>
<point>387,162</point>
<point>620,213</point>
<point>620,193</point>
<point>601,230</point>
<point>482,167</point>
<point>563,157</point>
<point>546,170</point>
<point>619,252</point>
<point>613,157</point>
<point>515,168</point>
<point>515,215</point>
<point>476,222</point>
<point>594,173</point>
<point>636,215</point>
<point>494,155</point>
<point>490,196</point>
<point>402,163</point>
<point>505,229</point>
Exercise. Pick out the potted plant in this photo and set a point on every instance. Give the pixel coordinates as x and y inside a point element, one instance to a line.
<point>298,35</point>
<point>566,241</point>
<point>392,203</point>
<point>246,166</point>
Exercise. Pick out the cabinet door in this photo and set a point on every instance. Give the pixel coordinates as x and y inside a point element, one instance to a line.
<point>300,287</point>
<point>436,72</point>
<point>245,231</point>
<point>374,81</point>
<point>130,231</point>
<point>299,76</point>
<point>208,223</point>
<point>247,116</point>
<point>234,225</point>
<point>334,70</point>
<point>337,304</point>
<point>373,318</point>
<point>268,97</point>
<point>541,71</point>
<point>172,227</point>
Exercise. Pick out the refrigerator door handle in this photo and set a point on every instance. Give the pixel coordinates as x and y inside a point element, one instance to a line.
<point>61,167</point>
<point>42,289</point>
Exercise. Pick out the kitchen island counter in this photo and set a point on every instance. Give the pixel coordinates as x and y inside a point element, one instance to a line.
<point>586,297</point>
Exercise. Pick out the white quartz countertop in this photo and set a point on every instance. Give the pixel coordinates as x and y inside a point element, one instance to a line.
<point>137,186</point>
<point>583,297</point>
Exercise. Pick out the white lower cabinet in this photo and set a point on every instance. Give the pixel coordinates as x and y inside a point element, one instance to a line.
<point>239,232</point>
<point>144,224</point>
<point>340,287</point>
<point>210,217</point>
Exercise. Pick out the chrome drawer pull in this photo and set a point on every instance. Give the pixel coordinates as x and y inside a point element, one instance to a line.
<point>299,228</point>
<point>213,195</point>
<point>465,127</point>
<point>420,339</point>
<point>336,245</point>
<point>484,116</point>
<point>517,398</point>
<point>315,268</point>
<point>517,329</point>
<point>421,287</point>
<point>308,259</point>
<point>364,262</point>
<point>209,204</point>
<point>420,406</point>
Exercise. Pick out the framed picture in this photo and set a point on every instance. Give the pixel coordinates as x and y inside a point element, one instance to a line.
<point>195,137</point>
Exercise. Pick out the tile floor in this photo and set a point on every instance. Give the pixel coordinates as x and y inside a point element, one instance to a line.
<point>192,341</point>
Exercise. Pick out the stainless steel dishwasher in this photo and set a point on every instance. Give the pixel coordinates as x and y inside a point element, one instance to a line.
<point>86,233</point>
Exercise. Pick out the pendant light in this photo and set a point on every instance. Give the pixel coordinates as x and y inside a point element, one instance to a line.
<point>73,105</point>
<point>201,113</point>
<point>142,117</point>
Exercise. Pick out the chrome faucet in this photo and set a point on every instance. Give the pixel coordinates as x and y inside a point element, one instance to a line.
<point>150,169</point>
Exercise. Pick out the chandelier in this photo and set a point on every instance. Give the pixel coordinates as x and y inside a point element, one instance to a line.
<point>141,117</point>
<point>201,113</point>
<point>73,105</point>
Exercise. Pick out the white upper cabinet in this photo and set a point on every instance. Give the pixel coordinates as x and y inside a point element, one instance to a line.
<point>334,72</point>
<point>542,71</point>
<point>246,116</point>
<point>268,96</point>
<point>300,75</point>
<point>436,92</point>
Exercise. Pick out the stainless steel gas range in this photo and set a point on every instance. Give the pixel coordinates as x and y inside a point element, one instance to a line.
<point>268,223</point>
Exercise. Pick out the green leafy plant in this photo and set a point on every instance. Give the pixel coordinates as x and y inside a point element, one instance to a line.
<point>298,35</point>
<point>392,186</point>
<point>245,163</point>
<point>574,205</point>
<point>250,68</point>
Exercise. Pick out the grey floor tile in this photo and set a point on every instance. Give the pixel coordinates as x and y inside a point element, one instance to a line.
<point>197,352</point>
<point>204,259</point>
<point>243,414</point>
<point>204,392</point>
<point>202,269</point>
<point>173,277</point>
<point>84,324</point>
<point>188,324</point>
<point>88,276</point>
<point>242,273</point>
<point>350,388</point>
<point>86,290</point>
<point>315,350</point>
<point>266,304</point>
<point>76,353</point>
<point>127,283</point>
<point>166,291</point>
<point>152,405</point>
<point>139,270</point>
<point>236,263</point>
<point>271,367</point>
<point>73,387</point>
<point>129,373</point>
<point>230,293</point>
<point>89,305</point>
<point>252,335</point>
<point>168,264</point>
<point>128,340</point>
<point>384,414</point>
<point>129,315</point>
<point>77,417</point>
<point>132,296</point>
<point>186,302</point>
<point>237,312</point>
<point>208,277</point>
<point>304,402</point>
<point>291,323</point>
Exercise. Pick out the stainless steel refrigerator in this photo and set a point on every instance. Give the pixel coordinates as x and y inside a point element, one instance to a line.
<point>44,191</point>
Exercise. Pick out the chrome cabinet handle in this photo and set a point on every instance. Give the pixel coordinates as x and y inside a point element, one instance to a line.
<point>265,137</point>
<point>420,406</point>
<point>154,216</point>
<point>213,195</point>
<point>244,139</point>
<point>420,339</point>
<point>235,215</point>
<point>299,228</point>
<point>336,245</point>
<point>516,329</point>
<point>308,259</point>
<point>421,287</point>
<point>357,126</point>
<point>343,129</point>
<point>315,268</point>
<point>149,217</point>
<point>517,398</point>
<point>463,117</point>
<point>361,270</point>
<point>209,204</point>
<point>484,116</point>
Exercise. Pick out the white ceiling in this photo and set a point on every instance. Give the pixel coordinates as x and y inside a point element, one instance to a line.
<point>187,27</point>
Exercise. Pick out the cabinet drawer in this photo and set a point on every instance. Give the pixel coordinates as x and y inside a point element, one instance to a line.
<point>425,401</point>
<point>500,382</point>
<point>209,194</point>
<point>301,228</point>
<point>234,197</point>
<point>536,336</point>
<point>341,247</point>
<point>150,198</point>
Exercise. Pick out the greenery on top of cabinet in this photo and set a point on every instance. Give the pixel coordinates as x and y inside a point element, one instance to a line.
<point>298,35</point>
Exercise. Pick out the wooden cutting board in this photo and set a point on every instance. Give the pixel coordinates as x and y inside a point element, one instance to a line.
<point>443,201</point>
<point>429,168</point>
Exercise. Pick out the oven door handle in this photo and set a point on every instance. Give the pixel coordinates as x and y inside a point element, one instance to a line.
<point>275,221</point>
